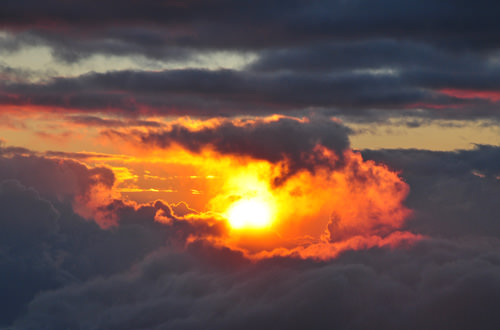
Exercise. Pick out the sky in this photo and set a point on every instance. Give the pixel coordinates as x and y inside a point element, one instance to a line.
<point>239,164</point>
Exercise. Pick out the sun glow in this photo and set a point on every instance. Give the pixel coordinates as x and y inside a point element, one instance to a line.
<point>312,214</point>
<point>252,213</point>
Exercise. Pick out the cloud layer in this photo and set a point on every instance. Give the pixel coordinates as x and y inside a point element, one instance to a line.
<point>370,239</point>
<point>349,58</point>
<point>141,273</point>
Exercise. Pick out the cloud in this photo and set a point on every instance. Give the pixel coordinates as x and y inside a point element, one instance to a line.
<point>194,91</point>
<point>199,24</point>
<point>16,202</point>
<point>45,245</point>
<point>408,245</point>
<point>325,198</point>
<point>60,179</point>
<point>289,141</point>
<point>105,122</point>
<point>159,269</point>
<point>382,56</point>
<point>27,222</point>
<point>357,59</point>
<point>452,193</point>
<point>231,92</point>
<point>181,291</point>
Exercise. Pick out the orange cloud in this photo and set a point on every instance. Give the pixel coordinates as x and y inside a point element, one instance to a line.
<point>316,214</point>
<point>332,199</point>
<point>284,185</point>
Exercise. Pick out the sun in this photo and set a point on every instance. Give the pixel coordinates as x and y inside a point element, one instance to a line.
<point>253,213</point>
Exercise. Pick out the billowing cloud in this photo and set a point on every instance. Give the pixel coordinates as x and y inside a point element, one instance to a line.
<point>151,279</point>
<point>254,211</point>
<point>60,179</point>
<point>453,193</point>
<point>323,197</point>
<point>292,142</point>
<point>45,242</point>
<point>189,291</point>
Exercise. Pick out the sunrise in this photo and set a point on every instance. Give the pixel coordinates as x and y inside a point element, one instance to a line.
<point>249,164</point>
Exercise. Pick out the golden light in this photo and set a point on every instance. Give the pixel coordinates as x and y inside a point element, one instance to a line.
<point>314,214</point>
<point>253,213</point>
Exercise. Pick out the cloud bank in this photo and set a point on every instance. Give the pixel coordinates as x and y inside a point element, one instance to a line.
<point>348,58</point>
<point>370,239</point>
<point>141,274</point>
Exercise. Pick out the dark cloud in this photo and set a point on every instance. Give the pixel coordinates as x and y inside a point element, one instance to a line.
<point>210,92</point>
<point>348,57</point>
<point>45,244</point>
<point>432,285</point>
<point>452,193</point>
<point>19,227</point>
<point>9,152</point>
<point>106,122</point>
<point>53,178</point>
<point>26,223</point>
<point>352,37</point>
<point>388,54</point>
<point>159,266</point>
<point>79,155</point>
<point>285,140</point>
<point>64,272</point>
<point>230,92</point>
<point>226,24</point>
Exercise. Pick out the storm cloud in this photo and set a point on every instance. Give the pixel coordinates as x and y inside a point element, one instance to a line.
<point>418,58</point>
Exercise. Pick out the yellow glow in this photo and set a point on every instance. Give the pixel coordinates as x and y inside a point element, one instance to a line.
<point>245,198</point>
<point>249,213</point>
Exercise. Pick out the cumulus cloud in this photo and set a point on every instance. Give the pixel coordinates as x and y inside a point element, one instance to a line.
<point>452,193</point>
<point>408,245</point>
<point>27,222</point>
<point>62,178</point>
<point>327,198</point>
<point>376,289</point>
<point>46,244</point>
<point>141,273</point>
<point>290,141</point>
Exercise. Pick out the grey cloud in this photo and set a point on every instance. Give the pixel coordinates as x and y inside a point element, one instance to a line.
<point>17,226</point>
<point>228,92</point>
<point>226,24</point>
<point>376,289</point>
<point>44,244</point>
<point>51,177</point>
<point>319,54</point>
<point>102,122</point>
<point>453,194</point>
<point>284,140</point>
<point>137,275</point>
<point>388,54</point>
<point>311,54</point>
